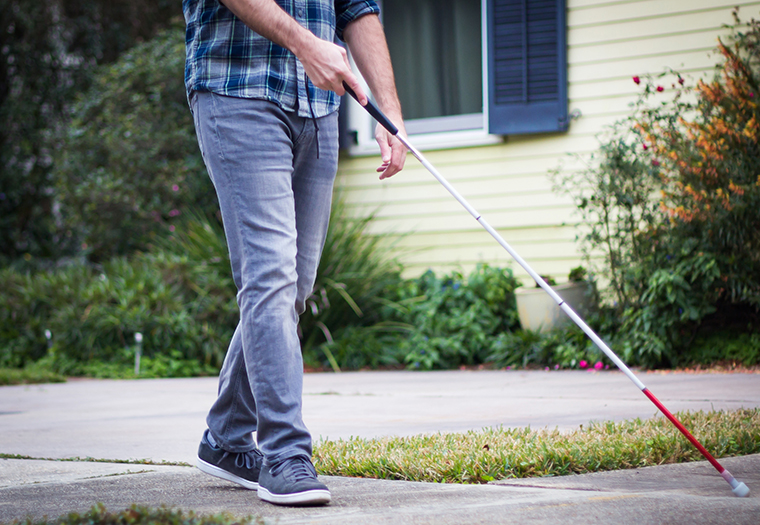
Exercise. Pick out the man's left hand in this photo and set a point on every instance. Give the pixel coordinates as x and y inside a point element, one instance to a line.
<point>392,151</point>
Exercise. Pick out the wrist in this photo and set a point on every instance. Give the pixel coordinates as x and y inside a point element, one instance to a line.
<point>302,42</point>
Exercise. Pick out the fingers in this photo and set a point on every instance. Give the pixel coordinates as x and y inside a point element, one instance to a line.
<point>392,152</point>
<point>353,83</point>
<point>327,66</point>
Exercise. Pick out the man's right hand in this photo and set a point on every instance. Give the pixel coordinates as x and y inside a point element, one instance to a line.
<point>327,67</point>
<point>326,64</point>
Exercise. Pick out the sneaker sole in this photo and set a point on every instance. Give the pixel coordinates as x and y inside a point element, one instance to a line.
<point>213,470</point>
<point>308,497</point>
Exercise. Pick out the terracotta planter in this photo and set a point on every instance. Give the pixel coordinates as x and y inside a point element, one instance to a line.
<point>538,311</point>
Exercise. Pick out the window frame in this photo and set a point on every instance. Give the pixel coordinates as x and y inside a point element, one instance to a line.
<point>475,129</point>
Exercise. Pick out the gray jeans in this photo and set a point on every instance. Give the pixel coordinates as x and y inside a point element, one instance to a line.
<point>273,174</point>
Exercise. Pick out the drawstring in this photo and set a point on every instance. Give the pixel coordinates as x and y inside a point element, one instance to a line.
<point>311,109</point>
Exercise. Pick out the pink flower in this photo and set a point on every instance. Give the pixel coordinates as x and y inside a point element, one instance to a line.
<point>173,213</point>
<point>583,364</point>
<point>646,147</point>
<point>175,188</point>
<point>637,80</point>
<point>680,80</point>
<point>655,163</point>
<point>556,367</point>
<point>660,89</point>
<point>172,228</point>
<point>598,365</point>
<point>751,95</point>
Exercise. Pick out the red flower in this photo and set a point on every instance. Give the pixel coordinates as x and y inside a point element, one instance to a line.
<point>680,80</point>
<point>645,147</point>
<point>660,89</point>
<point>655,162</point>
<point>637,80</point>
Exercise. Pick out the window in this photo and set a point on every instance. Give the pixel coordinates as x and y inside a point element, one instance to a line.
<point>469,71</point>
<point>436,49</point>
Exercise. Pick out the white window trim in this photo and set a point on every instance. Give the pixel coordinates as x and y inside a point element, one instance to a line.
<point>469,130</point>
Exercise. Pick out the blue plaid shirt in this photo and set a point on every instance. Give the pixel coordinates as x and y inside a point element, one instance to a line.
<point>224,56</point>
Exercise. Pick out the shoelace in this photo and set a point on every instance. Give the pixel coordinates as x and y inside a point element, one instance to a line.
<point>245,459</point>
<point>298,469</point>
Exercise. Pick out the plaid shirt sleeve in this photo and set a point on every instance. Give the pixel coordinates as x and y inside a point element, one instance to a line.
<point>226,57</point>
<point>346,11</point>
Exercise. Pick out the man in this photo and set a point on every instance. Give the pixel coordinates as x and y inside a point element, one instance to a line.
<point>263,80</point>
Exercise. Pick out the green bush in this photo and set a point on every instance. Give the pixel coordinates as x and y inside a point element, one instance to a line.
<point>432,323</point>
<point>71,319</point>
<point>129,162</point>
<point>48,51</point>
<point>142,515</point>
<point>566,347</point>
<point>456,321</point>
<point>183,305</point>
<point>721,347</point>
<point>181,298</point>
<point>353,279</point>
<point>28,376</point>
<point>672,201</point>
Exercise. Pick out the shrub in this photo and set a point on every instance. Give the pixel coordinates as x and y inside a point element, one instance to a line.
<point>129,162</point>
<point>48,51</point>
<point>181,297</point>
<point>672,201</point>
<point>353,279</point>
<point>77,316</point>
<point>143,515</point>
<point>454,321</point>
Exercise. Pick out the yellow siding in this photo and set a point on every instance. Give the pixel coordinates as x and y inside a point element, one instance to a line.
<point>608,43</point>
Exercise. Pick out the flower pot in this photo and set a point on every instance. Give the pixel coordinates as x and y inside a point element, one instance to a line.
<point>538,311</point>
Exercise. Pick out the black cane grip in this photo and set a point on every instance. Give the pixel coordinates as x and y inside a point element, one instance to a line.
<point>373,110</point>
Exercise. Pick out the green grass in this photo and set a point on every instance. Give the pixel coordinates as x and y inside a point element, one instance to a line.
<point>140,515</point>
<point>491,454</point>
<point>89,459</point>
<point>28,376</point>
<point>479,457</point>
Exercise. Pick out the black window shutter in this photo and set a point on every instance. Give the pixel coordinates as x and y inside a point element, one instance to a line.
<point>527,66</point>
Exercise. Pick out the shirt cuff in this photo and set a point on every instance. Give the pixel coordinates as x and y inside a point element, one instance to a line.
<point>347,11</point>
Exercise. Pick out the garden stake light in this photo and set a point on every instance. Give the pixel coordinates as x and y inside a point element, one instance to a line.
<point>738,488</point>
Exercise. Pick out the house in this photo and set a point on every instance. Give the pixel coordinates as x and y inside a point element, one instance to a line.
<point>497,93</point>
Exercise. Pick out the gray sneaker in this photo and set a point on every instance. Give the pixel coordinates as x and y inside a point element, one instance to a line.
<point>292,482</point>
<point>242,468</point>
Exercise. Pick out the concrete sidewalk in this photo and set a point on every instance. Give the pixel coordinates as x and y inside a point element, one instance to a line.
<point>163,420</point>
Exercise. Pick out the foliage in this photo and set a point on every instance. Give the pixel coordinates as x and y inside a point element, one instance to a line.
<point>353,277</point>
<point>456,321</point>
<point>48,50</point>
<point>181,298</point>
<point>565,347</point>
<point>142,515</point>
<point>492,454</point>
<point>82,319</point>
<point>672,201</point>
<point>721,347</point>
<point>28,376</point>
<point>129,162</point>
<point>431,322</point>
